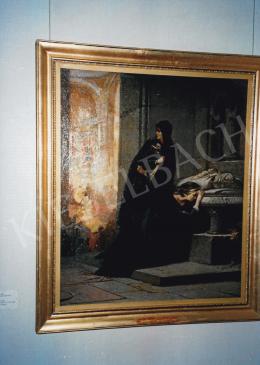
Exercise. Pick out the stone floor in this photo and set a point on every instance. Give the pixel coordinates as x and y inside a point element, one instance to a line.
<point>80,285</point>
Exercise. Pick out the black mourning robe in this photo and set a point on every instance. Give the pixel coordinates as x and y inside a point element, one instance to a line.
<point>146,218</point>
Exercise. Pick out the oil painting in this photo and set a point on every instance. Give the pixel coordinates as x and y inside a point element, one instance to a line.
<point>147,187</point>
<point>152,186</point>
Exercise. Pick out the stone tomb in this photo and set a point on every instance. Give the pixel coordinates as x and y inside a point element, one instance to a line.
<point>220,243</point>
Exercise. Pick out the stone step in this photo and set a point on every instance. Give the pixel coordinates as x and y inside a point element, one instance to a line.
<point>187,273</point>
<point>216,249</point>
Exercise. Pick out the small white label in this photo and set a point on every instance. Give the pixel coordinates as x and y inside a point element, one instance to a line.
<point>8,299</point>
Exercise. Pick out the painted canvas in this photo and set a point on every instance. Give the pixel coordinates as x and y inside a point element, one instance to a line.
<point>152,182</point>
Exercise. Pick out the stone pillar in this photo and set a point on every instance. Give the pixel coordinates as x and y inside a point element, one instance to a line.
<point>215,220</point>
<point>133,123</point>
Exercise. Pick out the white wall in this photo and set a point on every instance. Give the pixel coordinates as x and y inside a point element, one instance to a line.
<point>196,25</point>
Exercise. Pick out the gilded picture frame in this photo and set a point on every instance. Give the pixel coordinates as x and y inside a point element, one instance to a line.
<point>153,65</point>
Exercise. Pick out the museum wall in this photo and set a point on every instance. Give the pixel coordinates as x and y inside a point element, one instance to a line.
<point>227,26</point>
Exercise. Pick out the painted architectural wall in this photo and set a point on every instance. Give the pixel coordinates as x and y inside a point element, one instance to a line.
<point>195,25</point>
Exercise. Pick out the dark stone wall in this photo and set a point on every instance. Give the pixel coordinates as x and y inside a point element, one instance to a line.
<point>184,102</point>
<point>129,135</point>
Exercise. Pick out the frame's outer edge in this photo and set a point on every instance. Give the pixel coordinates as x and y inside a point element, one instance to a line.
<point>40,316</point>
<point>257,212</point>
<point>44,244</point>
<point>150,319</point>
<point>255,236</point>
<point>46,320</point>
<point>149,57</point>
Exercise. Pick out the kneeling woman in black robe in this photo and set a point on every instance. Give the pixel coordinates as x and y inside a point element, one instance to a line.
<point>148,210</point>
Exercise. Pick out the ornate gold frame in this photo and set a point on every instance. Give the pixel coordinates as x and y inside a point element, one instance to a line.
<point>50,316</point>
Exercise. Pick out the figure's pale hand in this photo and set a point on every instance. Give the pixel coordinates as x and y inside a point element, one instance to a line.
<point>141,170</point>
<point>160,160</point>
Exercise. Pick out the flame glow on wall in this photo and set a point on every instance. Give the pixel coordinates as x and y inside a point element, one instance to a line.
<point>93,145</point>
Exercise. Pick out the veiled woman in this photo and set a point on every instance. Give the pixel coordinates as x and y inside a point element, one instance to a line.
<point>150,180</point>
